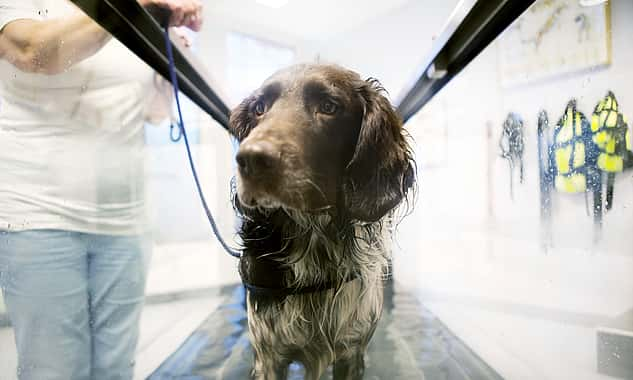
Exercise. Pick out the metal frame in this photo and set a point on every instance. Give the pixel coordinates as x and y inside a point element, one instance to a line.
<point>141,33</point>
<point>471,27</point>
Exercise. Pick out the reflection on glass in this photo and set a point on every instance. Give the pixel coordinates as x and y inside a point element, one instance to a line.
<point>532,281</point>
<point>76,240</point>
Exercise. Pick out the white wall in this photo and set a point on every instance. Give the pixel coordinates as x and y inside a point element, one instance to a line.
<point>389,48</point>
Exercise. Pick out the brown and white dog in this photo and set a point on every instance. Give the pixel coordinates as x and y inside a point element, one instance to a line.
<point>323,162</point>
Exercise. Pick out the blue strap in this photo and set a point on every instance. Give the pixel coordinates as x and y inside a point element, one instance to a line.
<point>183,134</point>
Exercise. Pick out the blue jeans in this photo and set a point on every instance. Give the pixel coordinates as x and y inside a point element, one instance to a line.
<point>74,300</point>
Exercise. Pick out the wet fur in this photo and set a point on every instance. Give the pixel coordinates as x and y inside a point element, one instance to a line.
<point>319,328</point>
<point>290,248</point>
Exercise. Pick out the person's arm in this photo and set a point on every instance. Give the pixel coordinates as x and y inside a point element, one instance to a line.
<point>52,46</point>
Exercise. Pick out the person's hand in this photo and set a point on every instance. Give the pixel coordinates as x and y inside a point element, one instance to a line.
<point>182,37</point>
<point>183,12</point>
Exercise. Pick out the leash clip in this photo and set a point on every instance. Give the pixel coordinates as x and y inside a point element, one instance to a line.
<point>178,136</point>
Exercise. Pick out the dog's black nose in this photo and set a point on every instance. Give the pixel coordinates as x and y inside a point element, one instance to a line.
<point>257,159</point>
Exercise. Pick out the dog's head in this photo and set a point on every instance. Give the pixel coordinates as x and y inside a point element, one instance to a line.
<point>318,138</point>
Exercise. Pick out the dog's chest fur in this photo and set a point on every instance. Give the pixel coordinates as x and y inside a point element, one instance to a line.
<point>317,328</point>
<point>284,250</point>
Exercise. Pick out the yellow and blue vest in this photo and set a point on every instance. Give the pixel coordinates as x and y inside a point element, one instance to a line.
<point>610,134</point>
<point>573,152</point>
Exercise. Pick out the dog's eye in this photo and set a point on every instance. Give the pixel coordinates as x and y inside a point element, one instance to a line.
<point>260,108</point>
<point>328,107</point>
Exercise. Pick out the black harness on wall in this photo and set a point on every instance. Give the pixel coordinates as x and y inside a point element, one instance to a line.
<point>511,145</point>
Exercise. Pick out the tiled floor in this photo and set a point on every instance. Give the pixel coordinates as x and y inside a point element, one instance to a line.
<point>165,326</point>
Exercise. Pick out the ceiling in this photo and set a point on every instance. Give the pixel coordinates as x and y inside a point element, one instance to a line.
<point>303,19</point>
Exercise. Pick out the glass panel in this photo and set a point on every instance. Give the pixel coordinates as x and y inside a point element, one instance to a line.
<point>515,260</point>
<point>88,161</point>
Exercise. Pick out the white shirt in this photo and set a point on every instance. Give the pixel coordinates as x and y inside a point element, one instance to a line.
<point>71,145</point>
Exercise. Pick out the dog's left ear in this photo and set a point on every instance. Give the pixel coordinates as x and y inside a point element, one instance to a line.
<point>381,171</point>
<point>240,123</point>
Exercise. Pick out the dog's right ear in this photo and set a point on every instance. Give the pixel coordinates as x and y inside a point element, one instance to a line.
<point>382,170</point>
<point>241,122</point>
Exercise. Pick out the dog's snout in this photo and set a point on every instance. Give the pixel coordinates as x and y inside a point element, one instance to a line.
<point>257,159</point>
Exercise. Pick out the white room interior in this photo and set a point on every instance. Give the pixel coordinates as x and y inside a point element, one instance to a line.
<point>471,253</point>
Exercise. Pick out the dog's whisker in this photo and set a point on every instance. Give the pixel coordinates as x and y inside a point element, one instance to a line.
<point>315,186</point>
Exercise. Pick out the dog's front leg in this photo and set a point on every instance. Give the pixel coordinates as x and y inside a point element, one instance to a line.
<point>351,367</point>
<point>270,370</point>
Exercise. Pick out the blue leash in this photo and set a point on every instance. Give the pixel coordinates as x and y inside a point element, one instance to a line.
<point>183,134</point>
